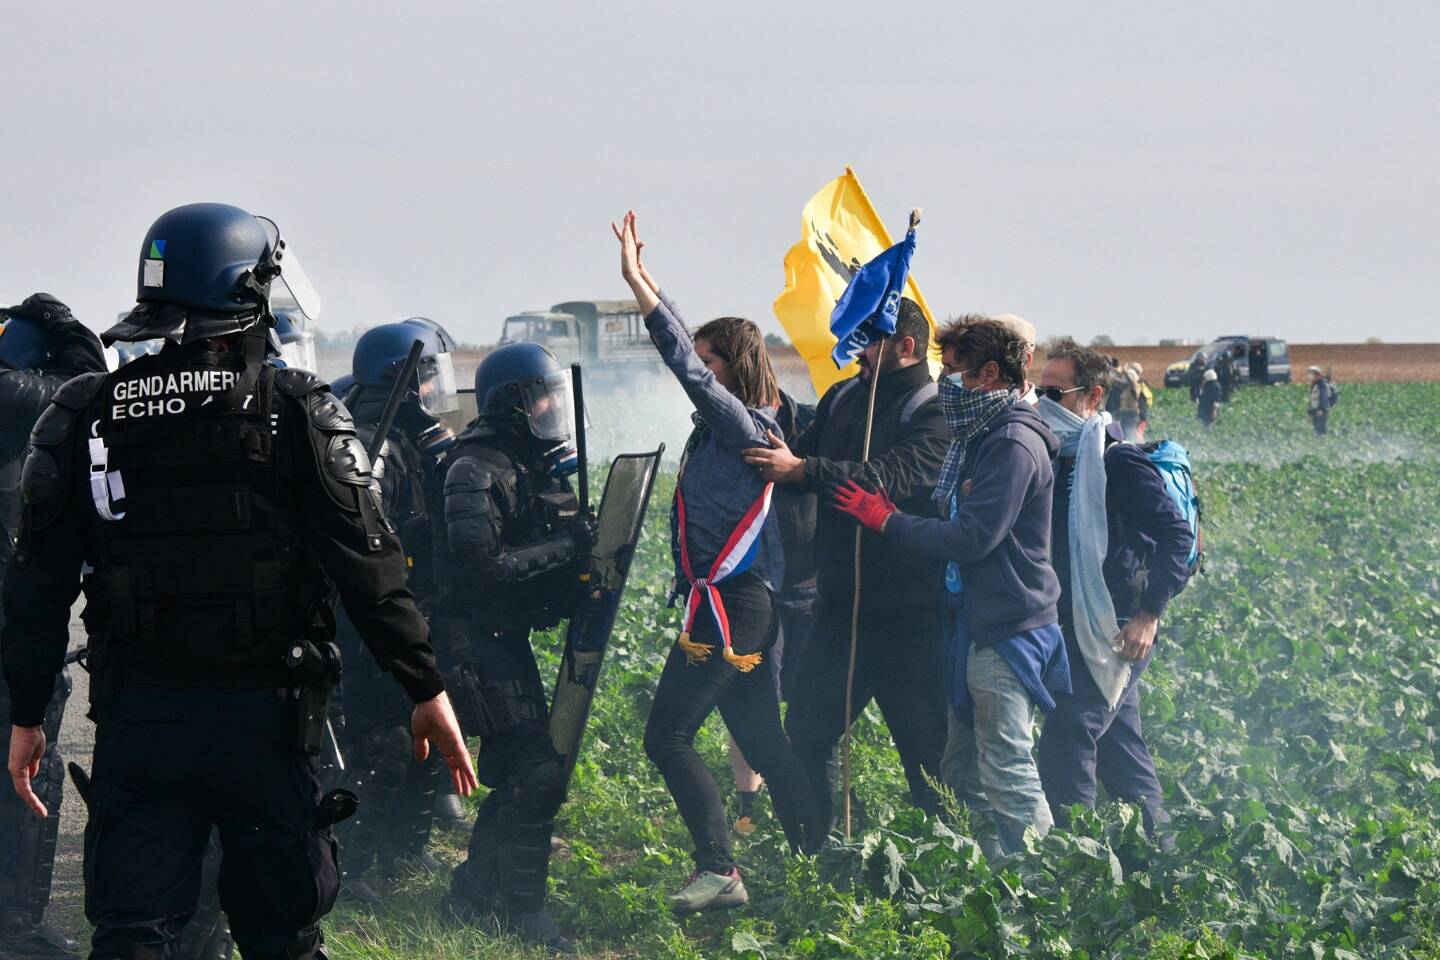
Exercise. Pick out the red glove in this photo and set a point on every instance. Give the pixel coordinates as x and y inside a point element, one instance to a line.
<point>871,509</point>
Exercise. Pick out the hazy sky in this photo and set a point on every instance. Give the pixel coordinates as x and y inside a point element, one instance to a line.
<point>1142,170</point>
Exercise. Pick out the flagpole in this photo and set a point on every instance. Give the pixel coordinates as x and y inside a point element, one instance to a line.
<point>855,604</point>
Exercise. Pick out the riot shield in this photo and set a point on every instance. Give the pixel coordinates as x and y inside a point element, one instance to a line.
<point>622,513</point>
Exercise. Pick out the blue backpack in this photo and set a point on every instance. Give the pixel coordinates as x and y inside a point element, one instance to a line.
<point>1173,462</point>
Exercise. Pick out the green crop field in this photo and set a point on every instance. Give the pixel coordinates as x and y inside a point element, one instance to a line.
<point>1292,708</point>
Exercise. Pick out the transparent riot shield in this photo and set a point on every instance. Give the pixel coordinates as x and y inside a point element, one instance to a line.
<point>622,514</point>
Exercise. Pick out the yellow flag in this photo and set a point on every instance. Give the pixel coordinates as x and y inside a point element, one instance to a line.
<point>839,232</point>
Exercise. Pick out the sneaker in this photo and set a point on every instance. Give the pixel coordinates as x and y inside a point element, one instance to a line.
<point>21,938</point>
<point>540,929</point>
<point>706,891</point>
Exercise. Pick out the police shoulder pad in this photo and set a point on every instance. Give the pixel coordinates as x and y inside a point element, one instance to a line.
<point>298,383</point>
<point>468,474</point>
<point>54,425</point>
<point>78,392</point>
<point>328,414</point>
<point>347,461</point>
<point>40,478</point>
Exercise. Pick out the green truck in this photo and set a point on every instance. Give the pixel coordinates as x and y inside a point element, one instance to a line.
<point>607,336</point>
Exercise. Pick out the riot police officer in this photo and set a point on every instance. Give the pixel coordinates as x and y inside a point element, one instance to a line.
<point>515,548</point>
<point>42,345</point>
<point>397,794</point>
<point>208,493</point>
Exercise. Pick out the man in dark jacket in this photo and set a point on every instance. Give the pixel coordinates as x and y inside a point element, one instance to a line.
<point>1095,731</point>
<point>898,661</point>
<point>42,345</point>
<point>1007,654</point>
<point>1208,407</point>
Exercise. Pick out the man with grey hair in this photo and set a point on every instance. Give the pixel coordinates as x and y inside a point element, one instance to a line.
<point>1025,330</point>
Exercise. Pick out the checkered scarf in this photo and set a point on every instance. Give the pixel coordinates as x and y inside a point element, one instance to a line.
<point>967,412</point>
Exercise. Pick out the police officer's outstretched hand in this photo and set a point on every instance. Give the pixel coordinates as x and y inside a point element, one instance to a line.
<point>27,746</point>
<point>433,722</point>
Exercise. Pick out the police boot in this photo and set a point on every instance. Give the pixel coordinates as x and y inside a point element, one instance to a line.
<point>403,848</point>
<point>449,812</point>
<point>23,938</point>
<point>473,887</point>
<point>524,873</point>
<point>379,760</point>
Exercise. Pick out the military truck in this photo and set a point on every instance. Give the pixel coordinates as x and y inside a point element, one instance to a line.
<point>608,336</point>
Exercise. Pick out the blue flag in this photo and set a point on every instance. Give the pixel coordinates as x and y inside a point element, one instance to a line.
<point>868,308</point>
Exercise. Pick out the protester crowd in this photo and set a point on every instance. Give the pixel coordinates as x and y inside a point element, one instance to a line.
<point>1018,546</point>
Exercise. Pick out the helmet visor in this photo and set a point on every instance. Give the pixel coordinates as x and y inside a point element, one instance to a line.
<point>436,385</point>
<point>549,406</point>
<point>299,352</point>
<point>295,282</point>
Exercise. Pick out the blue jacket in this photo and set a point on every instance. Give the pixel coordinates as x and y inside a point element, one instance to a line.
<point>1147,563</point>
<point>1000,533</point>
<point>719,486</point>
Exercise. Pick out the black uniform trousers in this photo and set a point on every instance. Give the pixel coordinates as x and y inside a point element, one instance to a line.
<point>397,792</point>
<point>172,761</point>
<point>899,666</point>
<point>508,857</point>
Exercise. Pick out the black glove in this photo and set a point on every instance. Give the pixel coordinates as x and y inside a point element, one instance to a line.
<point>44,309</point>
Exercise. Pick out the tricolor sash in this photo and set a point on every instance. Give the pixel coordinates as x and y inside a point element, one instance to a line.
<point>734,559</point>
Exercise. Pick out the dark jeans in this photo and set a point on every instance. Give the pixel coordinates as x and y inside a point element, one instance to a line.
<point>1084,741</point>
<point>170,762</point>
<point>751,710</point>
<point>898,665</point>
<point>1322,424</point>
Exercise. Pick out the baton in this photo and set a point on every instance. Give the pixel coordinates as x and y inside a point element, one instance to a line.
<point>392,403</point>
<point>581,463</point>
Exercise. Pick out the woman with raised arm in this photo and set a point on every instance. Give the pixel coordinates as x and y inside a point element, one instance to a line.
<point>728,562</point>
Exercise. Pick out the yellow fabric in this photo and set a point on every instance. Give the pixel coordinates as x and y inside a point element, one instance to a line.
<point>838,227</point>
<point>695,652</point>
<point>744,662</point>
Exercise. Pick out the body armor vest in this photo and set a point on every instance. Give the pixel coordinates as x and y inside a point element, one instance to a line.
<point>204,571</point>
<point>533,507</point>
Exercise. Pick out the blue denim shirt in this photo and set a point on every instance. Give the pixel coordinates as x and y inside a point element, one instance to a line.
<point>719,486</point>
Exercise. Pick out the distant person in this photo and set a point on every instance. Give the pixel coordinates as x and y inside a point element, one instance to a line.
<point>1147,399</point>
<point>1322,398</point>
<point>1195,377</point>
<point>1208,409</point>
<point>1227,371</point>
<point>1125,401</point>
<point>1114,585</point>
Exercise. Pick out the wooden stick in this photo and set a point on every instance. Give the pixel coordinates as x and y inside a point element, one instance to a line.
<point>855,605</point>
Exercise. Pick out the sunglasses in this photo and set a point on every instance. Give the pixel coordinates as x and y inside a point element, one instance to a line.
<point>1055,393</point>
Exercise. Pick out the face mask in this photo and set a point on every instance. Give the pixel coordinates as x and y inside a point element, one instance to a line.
<point>1064,423</point>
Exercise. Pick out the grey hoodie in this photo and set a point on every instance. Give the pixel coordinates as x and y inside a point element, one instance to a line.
<point>1000,534</point>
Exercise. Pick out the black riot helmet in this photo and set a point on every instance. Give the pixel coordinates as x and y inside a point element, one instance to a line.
<point>209,269</point>
<point>381,352</point>
<point>523,386</point>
